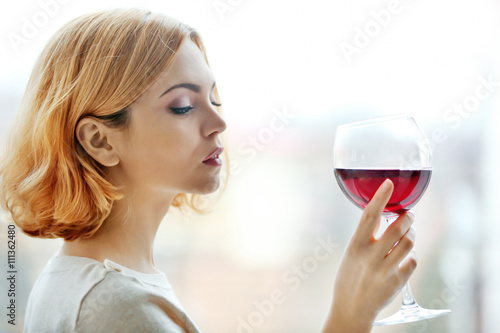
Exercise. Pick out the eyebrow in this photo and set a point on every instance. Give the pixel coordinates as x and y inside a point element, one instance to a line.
<point>191,86</point>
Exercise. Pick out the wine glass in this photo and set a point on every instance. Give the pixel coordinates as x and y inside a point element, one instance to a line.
<point>368,152</point>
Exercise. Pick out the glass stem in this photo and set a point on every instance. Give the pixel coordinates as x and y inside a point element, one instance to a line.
<point>408,299</point>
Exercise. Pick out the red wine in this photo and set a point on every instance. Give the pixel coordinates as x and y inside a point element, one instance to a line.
<point>359,185</point>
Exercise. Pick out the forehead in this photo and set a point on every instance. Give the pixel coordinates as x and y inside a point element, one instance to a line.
<point>189,65</point>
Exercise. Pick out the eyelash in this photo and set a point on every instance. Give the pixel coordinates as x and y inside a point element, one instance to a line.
<point>183,110</point>
<point>186,109</point>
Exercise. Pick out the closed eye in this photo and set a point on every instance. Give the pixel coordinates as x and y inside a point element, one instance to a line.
<point>182,110</point>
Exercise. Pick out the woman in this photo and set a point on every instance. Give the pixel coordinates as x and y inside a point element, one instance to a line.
<point>119,122</point>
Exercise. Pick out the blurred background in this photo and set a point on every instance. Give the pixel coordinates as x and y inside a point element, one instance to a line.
<point>289,72</point>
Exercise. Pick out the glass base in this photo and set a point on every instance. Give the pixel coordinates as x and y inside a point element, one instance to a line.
<point>410,314</point>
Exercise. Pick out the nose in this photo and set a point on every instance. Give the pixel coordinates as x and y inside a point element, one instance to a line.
<point>213,124</point>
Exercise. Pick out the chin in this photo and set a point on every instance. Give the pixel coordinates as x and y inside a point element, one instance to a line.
<point>206,187</point>
<point>210,187</point>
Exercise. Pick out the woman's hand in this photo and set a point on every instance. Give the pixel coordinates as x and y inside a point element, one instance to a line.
<point>372,271</point>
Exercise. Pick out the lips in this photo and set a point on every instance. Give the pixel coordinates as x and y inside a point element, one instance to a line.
<point>213,159</point>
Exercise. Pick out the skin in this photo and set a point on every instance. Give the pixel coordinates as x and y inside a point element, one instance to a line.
<point>372,271</point>
<point>160,154</point>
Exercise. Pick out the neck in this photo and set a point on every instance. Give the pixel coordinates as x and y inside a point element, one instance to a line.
<point>127,235</point>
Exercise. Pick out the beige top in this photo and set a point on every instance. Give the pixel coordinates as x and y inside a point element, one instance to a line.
<point>77,294</point>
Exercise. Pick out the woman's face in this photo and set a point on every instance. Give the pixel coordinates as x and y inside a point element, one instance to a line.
<point>174,128</point>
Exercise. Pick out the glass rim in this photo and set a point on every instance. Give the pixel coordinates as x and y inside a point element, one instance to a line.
<point>377,120</point>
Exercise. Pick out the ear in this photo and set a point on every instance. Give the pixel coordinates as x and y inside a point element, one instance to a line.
<point>94,138</point>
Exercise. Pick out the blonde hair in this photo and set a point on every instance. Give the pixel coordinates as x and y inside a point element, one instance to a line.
<point>96,65</point>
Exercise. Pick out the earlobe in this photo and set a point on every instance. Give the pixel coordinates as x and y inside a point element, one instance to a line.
<point>93,136</point>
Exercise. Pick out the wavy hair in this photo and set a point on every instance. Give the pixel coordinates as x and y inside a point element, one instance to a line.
<point>96,65</point>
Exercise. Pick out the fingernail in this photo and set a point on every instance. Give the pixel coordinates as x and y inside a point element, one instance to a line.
<point>410,214</point>
<point>414,253</point>
<point>385,185</point>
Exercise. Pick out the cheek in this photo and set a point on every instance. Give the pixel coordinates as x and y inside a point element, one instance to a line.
<point>171,147</point>
<point>163,150</point>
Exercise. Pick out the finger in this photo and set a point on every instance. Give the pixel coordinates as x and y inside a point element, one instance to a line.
<point>402,249</point>
<point>407,267</point>
<point>371,215</point>
<point>395,232</point>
